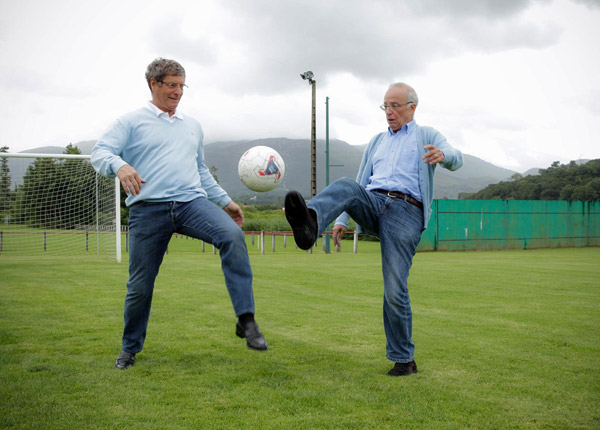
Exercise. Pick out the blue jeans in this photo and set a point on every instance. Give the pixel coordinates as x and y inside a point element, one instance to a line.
<point>399,226</point>
<point>151,226</point>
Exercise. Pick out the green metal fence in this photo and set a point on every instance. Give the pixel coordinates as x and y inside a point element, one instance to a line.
<point>461,225</point>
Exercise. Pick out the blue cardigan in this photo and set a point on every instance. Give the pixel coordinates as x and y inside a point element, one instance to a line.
<point>453,159</point>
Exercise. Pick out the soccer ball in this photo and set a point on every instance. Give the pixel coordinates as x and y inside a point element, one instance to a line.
<point>261,168</point>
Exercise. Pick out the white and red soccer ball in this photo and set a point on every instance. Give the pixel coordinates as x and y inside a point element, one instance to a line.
<point>261,168</point>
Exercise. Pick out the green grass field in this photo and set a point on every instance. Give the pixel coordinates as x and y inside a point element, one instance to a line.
<point>504,340</point>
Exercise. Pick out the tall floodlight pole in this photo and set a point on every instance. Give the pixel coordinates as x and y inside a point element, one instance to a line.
<point>327,236</point>
<point>326,141</point>
<point>326,246</point>
<point>309,76</point>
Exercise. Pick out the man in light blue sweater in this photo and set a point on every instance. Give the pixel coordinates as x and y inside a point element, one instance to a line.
<point>391,198</point>
<point>157,154</point>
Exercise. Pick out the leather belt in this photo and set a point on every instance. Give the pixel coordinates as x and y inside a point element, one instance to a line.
<point>398,195</point>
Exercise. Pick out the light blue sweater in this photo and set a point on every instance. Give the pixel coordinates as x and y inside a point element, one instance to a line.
<point>169,156</point>
<point>453,159</point>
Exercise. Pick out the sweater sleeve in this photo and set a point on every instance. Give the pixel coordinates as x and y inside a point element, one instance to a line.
<point>453,158</point>
<point>106,152</point>
<point>214,192</point>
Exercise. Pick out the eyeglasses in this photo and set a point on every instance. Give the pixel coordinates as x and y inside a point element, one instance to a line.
<point>393,106</point>
<point>173,85</point>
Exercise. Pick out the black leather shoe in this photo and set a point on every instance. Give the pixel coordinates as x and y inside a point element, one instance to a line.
<point>302,223</point>
<point>125,360</point>
<point>403,369</point>
<point>254,338</point>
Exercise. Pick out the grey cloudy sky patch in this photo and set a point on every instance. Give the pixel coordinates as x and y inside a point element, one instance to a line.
<point>491,9</point>
<point>589,3</point>
<point>514,82</point>
<point>372,40</point>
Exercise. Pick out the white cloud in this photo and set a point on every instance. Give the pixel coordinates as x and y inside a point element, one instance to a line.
<point>513,82</point>
<point>261,44</point>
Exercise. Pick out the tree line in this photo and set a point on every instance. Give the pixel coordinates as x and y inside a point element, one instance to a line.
<point>55,193</point>
<point>558,182</point>
<point>40,200</point>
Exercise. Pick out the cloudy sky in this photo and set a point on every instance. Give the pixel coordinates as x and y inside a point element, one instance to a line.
<point>514,82</point>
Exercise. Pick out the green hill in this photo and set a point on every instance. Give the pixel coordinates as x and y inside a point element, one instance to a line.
<point>475,174</point>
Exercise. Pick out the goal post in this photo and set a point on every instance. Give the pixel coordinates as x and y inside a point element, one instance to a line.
<point>56,204</point>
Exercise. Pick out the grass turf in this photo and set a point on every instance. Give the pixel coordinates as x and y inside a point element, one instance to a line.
<point>504,340</point>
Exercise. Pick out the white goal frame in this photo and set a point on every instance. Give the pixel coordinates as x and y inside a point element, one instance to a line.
<point>116,195</point>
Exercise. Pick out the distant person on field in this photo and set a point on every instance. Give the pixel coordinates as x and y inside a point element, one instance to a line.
<point>157,153</point>
<point>391,199</point>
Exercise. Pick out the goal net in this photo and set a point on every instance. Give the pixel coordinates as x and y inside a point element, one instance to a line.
<point>57,205</point>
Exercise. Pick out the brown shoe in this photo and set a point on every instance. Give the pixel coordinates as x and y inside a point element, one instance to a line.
<point>403,369</point>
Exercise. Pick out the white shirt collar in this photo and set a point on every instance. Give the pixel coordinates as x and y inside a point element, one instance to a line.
<point>162,114</point>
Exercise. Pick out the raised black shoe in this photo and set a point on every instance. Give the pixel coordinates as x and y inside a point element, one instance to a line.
<point>254,338</point>
<point>300,219</point>
<point>403,369</point>
<point>125,360</point>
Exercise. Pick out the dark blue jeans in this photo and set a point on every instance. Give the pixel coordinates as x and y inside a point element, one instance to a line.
<point>151,226</point>
<point>399,226</point>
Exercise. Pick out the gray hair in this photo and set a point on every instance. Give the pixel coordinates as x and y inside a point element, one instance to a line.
<point>162,67</point>
<point>411,93</point>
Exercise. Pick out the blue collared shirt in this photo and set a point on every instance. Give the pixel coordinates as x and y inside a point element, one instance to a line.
<point>453,159</point>
<point>396,162</point>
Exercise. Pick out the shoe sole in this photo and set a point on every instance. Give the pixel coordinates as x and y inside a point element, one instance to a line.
<point>297,216</point>
<point>123,367</point>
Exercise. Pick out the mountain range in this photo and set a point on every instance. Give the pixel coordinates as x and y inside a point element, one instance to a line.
<point>344,160</point>
<point>223,157</point>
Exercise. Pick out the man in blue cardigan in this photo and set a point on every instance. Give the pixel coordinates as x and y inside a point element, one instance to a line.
<point>158,156</point>
<point>391,198</point>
